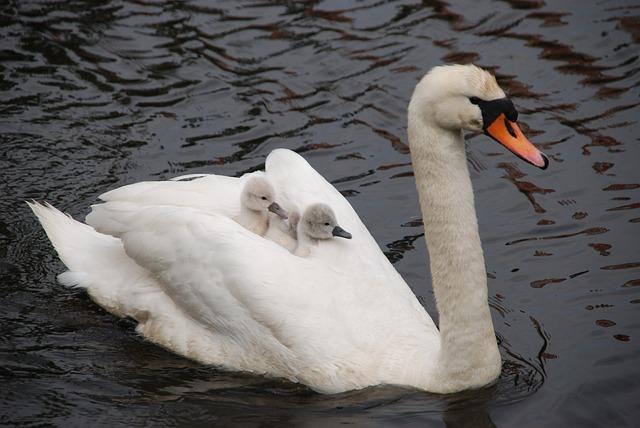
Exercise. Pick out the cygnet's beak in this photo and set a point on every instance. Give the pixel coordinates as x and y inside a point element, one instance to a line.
<point>508,134</point>
<point>338,231</point>
<point>277,210</point>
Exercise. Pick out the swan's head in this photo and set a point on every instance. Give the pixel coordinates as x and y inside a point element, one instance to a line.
<point>259,195</point>
<point>319,222</point>
<point>466,97</point>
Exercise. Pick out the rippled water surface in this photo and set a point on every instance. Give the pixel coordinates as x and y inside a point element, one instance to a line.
<point>98,94</point>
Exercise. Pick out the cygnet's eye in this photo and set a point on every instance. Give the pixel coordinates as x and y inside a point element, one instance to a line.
<point>264,198</point>
<point>326,224</point>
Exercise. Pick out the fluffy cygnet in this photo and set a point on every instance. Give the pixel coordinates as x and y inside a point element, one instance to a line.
<point>257,200</point>
<point>317,223</point>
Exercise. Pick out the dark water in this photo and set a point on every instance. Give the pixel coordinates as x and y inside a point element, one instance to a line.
<point>98,94</point>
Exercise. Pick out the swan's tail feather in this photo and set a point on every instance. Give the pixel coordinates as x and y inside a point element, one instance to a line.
<point>75,242</point>
<point>97,263</point>
<point>72,279</point>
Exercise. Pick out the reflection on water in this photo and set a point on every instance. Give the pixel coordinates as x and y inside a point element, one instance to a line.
<point>97,94</point>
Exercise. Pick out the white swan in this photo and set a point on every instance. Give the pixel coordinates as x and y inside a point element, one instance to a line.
<point>341,319</point>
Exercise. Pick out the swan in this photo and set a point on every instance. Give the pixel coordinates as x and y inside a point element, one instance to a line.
<point>318,223</point>
<point>205,287</point>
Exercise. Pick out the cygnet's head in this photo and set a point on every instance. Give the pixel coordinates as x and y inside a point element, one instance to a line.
<point>319,222</point>
<point>259,195</point>
<point>466,97</point>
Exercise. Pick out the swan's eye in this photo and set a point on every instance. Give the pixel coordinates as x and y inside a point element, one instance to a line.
<point>474,100</point>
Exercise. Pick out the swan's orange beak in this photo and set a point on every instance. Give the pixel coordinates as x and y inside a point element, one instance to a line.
<point>508,134</point>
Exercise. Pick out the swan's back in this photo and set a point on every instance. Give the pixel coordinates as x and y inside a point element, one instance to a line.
<point>299,184</point>
<point>212,193</point>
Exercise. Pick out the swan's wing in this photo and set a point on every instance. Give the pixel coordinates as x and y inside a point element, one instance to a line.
<point>293,311</point>
<point>300,185</point>
<point>223,275</point>
<point>212,193</point>
<point>225,278</point>
<point>203,191</point>
<point>116,217</point>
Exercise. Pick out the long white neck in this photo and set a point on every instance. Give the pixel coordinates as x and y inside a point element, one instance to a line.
<point>255,221</point>
<point>469,354</point>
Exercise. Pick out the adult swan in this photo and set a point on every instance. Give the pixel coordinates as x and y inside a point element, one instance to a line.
<point>342,318</point>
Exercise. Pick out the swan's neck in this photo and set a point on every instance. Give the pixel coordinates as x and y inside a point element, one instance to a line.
<point>255,221</point>
<point>469,354</point>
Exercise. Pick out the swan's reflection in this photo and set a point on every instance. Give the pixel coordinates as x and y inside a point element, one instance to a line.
<point>469,409</point>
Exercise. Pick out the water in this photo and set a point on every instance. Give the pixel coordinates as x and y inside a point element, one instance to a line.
<point>98,94</point>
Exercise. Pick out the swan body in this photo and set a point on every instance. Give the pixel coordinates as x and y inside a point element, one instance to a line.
<point>342,318</point>
<point>249,315</point>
